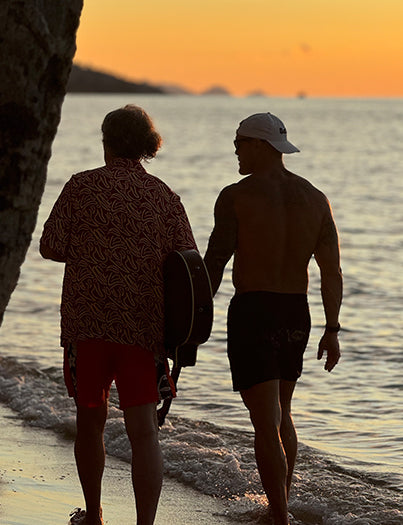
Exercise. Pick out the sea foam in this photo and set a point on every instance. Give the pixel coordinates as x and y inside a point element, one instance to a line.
<point>214,460</point>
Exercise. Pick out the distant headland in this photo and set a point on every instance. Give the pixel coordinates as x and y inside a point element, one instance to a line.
<point>87,80</point>
<point>84,79</point>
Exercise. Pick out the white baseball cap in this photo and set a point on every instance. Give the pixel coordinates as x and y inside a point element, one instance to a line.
<point>267,127</point>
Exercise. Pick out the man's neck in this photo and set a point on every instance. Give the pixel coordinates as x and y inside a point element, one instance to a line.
<point>273,171</point>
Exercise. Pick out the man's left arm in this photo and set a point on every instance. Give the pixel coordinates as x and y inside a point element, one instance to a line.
<point>55,237</point>
<point>327,255</point>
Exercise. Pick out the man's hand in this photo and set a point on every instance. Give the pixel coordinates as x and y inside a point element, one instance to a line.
<point>329,344</point>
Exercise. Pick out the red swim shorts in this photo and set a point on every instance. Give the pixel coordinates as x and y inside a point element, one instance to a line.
<point>92,365</point>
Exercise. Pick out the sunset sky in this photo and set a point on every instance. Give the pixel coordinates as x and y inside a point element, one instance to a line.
<point>320,47</point>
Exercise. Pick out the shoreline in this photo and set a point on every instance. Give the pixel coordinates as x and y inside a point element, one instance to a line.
<point>39,484</point>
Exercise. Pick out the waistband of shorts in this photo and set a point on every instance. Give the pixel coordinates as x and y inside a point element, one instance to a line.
<point>275,298</point>
<point>274,295</point>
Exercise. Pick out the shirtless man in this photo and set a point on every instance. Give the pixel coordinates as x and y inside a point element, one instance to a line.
<point>273,221</point>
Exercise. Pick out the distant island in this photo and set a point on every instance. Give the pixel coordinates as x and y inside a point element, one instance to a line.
<point>86,80</point>
<point>216,90</point>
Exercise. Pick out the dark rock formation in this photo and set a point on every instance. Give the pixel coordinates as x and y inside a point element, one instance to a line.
<point>37,40</point>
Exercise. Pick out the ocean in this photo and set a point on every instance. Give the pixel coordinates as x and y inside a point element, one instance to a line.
<point>350,422</point>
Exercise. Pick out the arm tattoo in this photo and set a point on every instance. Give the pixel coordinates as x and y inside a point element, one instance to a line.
<point>329,232</point>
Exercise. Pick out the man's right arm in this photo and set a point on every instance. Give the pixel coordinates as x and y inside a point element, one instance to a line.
<point>223,239</point>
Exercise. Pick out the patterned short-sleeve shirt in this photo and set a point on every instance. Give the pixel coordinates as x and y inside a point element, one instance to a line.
<point>113,227</point>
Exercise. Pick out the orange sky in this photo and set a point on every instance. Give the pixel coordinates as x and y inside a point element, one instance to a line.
<point>321,47</point>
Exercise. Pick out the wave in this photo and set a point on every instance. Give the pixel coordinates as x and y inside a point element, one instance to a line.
<point>215,460</point>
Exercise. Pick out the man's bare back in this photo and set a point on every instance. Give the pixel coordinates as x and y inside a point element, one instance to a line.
<point>280,219</point>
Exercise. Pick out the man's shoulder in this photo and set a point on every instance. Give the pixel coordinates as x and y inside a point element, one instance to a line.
<point>292,181</point>
<point>88,174</point>
<point>153,179</point>
<point>138,177</point>
<point>226,195</point>
<point>305,186</point>
<point>158,189</point>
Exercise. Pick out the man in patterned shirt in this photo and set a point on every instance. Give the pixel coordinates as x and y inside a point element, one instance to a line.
<point>273,221</point>
<point>113,227</point>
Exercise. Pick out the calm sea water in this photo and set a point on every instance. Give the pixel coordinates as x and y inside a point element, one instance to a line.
<point>350,421</point>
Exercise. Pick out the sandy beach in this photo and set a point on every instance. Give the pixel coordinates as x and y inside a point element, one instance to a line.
<point>39,484</point>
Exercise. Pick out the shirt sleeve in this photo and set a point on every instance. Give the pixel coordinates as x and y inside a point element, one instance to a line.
<point>223,239</point>
<point>184,239</point>
<point>57,228</point>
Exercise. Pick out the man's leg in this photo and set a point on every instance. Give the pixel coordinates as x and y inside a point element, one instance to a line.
<point>287,428</point>
<point>142,429</point>
<point>90,458</point>
<point>263,403</point>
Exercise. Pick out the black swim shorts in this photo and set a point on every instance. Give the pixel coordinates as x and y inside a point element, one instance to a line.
<point>267,336</point>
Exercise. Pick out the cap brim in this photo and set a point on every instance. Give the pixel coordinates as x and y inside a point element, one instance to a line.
<point>284,147</point>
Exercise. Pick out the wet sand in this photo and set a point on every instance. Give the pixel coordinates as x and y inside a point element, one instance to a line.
<point>39,484</point>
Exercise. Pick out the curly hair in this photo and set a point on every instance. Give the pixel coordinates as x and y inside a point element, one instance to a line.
<point>129,133</point>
